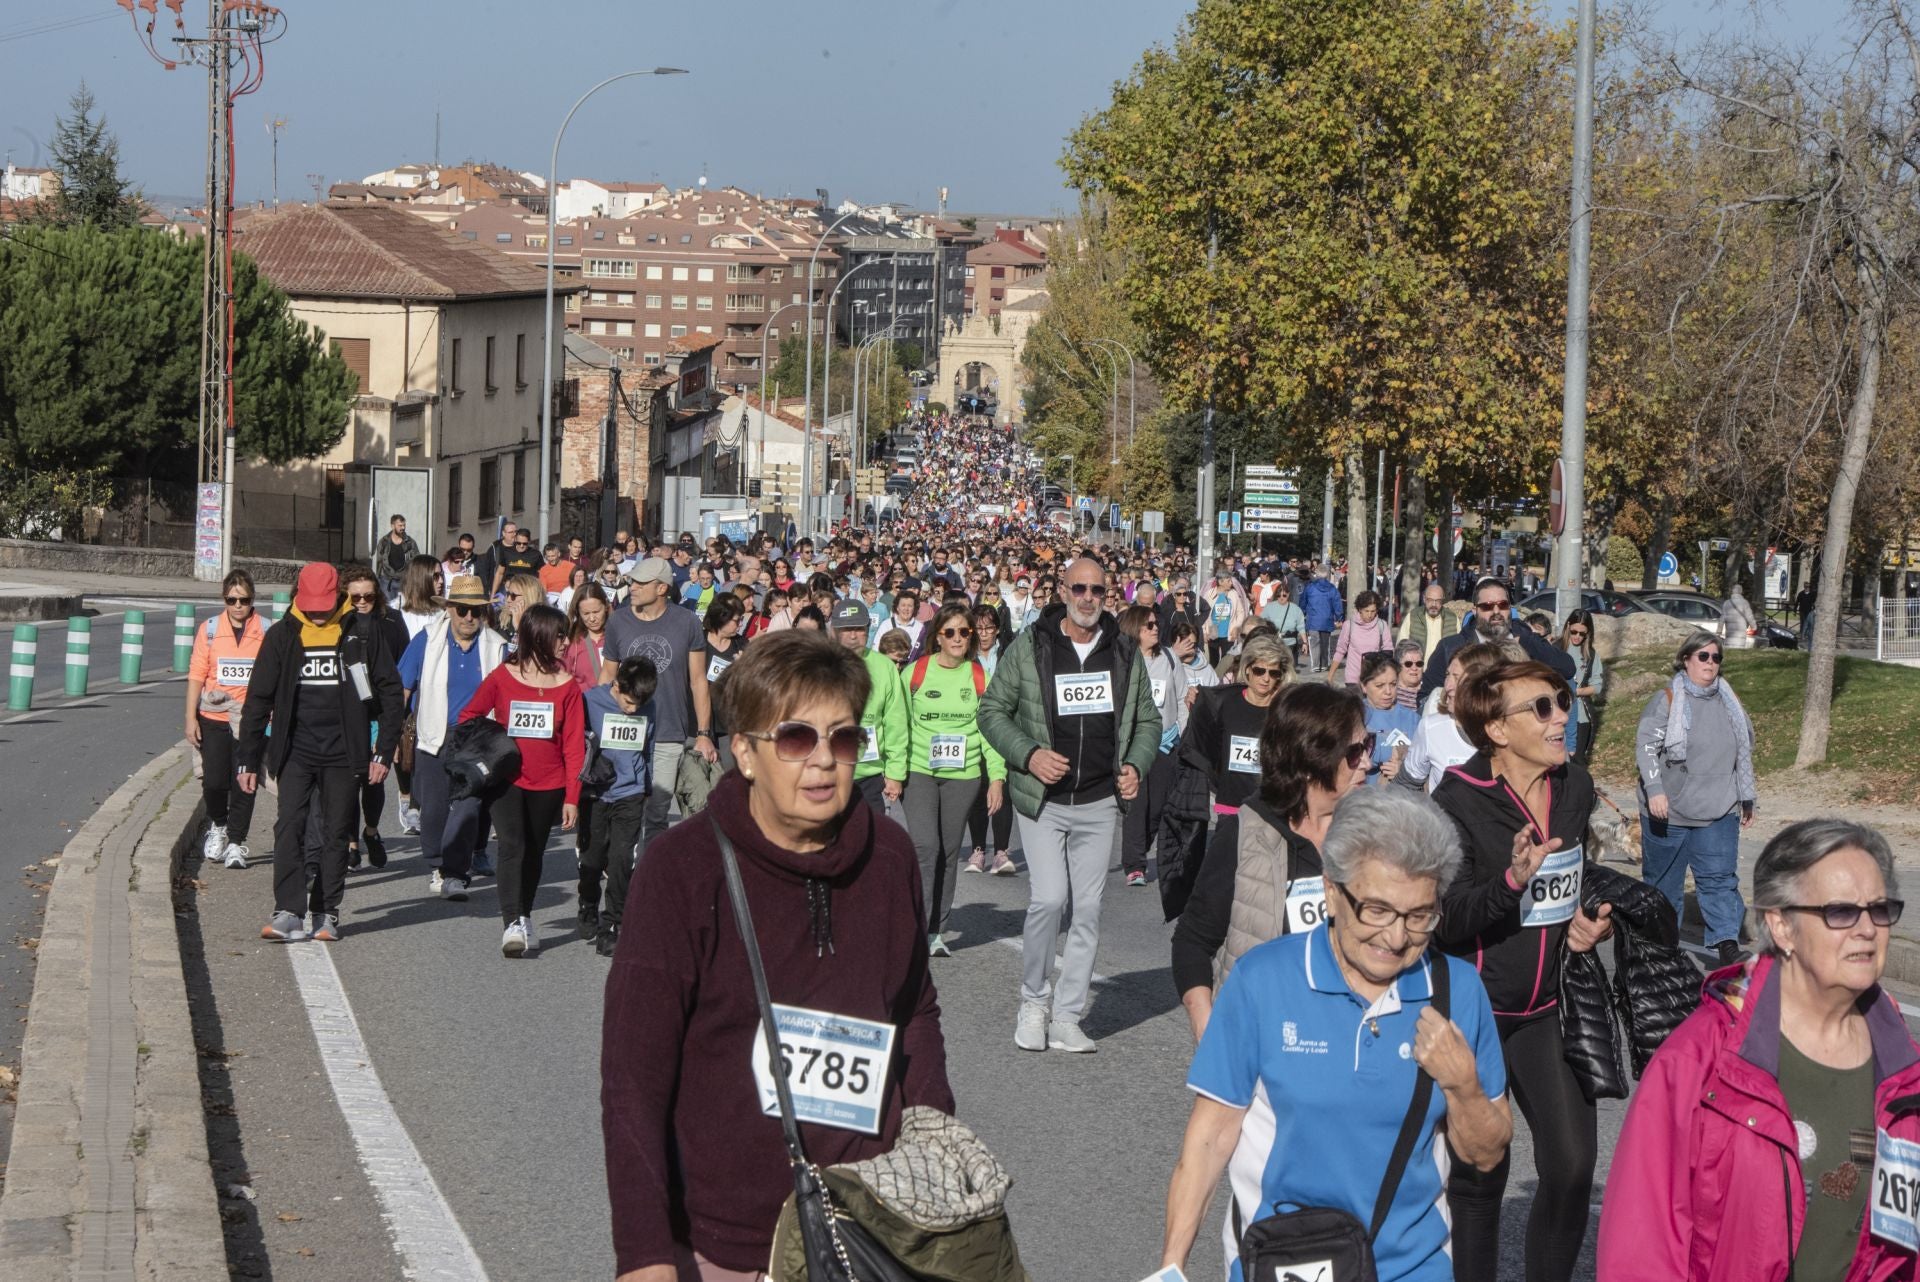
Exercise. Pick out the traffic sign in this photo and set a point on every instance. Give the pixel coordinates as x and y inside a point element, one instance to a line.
<point>1225,524</point>
<point>1113,517</point>
<point>1236,521</point>
<point>1086,503</point>
<point>1557,500</point>
<point>1269,485</point>
<point>1273,527</point>
<point>1271,500</point>
<point>1669,565</point>
<point>1153,522</point>
<point>1261,469</point>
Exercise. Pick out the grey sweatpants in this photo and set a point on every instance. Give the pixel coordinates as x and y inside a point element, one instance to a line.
<point>937,819</point>
<point>1067,850</point>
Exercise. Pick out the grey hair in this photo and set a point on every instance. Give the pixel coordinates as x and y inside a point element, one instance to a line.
<point>1397,826</point>
<point>1794,852</point>
<point>1699,640</point>
<point>1407,647</point>
<point>1264,648</point>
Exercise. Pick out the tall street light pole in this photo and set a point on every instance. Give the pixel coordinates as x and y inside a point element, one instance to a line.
<point>806,415</point>
<point>766,329</point>
<point>546,345</point>
<point>826,390</point>
<point>1569,557</point>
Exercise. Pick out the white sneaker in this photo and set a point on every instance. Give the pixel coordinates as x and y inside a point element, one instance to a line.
<point>238,854</point>
<point>1030,1033</point>
<point>513,941</point>
<point>531,935</point>
<point>436,884</point>
<point>215,844</point>
<point>409,819</point>
<point>453,890</point>
<point>1062,1036</point>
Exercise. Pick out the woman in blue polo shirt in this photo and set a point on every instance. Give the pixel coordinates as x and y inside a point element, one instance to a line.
<point>1332,1027</point>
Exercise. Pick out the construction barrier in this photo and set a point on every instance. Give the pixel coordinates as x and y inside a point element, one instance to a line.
<point>26,654</point>
<point>133,644</point>
<point>79,653</point>
<point>182,637</point>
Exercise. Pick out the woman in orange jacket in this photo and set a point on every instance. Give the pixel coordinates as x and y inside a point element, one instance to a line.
<point>224,648</point>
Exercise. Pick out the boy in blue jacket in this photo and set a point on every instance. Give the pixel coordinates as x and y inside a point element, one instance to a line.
<point>620,720</point>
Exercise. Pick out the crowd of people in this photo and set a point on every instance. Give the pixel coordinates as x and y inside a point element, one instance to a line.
<point>1368,828</point>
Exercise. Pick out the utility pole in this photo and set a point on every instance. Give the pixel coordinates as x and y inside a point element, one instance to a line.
<point>274,126</point>
<point>1326,525</point>
<point>1569,562</point>
<point>1379,488</point>
<point>1206,504</point>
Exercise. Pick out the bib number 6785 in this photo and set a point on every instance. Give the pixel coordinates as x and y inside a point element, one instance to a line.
<point>836,1070</point>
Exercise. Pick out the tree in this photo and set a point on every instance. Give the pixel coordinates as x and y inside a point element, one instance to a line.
<point>86,155</point>
<point>99,357</point>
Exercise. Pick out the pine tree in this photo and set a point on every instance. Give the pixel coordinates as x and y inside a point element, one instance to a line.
<point>87,157</point>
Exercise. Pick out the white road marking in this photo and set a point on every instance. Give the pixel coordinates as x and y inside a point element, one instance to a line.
<point>92,698</point>
<point>428,1238</point>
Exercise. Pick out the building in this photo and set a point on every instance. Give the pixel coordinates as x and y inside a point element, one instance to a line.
<point>1010,257</point>
<point>27,183</point>
<point>606,456</point>
<point>444,335</point>
<point>585,198</point>
<point>890,274</point>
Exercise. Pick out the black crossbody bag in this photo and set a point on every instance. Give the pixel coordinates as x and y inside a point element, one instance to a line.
<point>1325,1243</point>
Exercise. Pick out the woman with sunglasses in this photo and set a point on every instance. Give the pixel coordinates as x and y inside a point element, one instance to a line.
<point>1522,809</point>
<point>224,650</point>
<point>1411,661</point>
<point>538,701</point>
<point>1695,752</point>
<point>520,593</point>
<point>946,754</point>
<point>1391,723</point>
<point>1770,1135</point>
<point>1589,679</point>
<point>1141,824</point>
<point>696,1173</point>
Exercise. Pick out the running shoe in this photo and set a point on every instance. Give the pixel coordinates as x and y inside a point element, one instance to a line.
<point>1002,866</point>
<point>608,939</point>
<point>215,844</point>
<point>376,848</point>
<point>326,928</point>
<point>937,947</point>
<point>1136,879</point>
<point>589,921</point>
<point>353,854</point>
<point>289,927</point>
<point>531,935</point>
<point>453,889</point>
<point>1030,1033</point>
<point>1064,1036</point>
<point>977,861</point>
<point>482,865</point>
<point>238,854</point>
<point>436,884</point>
<point>409,819</point>
<point>513,940</point>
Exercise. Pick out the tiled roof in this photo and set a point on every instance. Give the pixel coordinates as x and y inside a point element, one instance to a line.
<point>695,343</point>
<point>378,251</point>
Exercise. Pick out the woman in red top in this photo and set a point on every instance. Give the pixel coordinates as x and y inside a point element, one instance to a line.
<point>539,703</point>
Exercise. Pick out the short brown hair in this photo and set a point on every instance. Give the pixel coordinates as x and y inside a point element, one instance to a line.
<point>956,609</point>
<point>1309,728</point>
<point>237,579</point>
<point>783,670</point>
<point>1480,700</point>
<point>1473,660</point>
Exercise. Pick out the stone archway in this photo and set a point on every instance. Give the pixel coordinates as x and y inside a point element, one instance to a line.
<point>976,343</point>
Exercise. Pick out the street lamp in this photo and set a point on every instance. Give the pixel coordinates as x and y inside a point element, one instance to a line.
<point>546,382</point>
<point>766,329</point>
<point>806,416</point>
<point>826,391</point>
<point>1132,390</point>
<point>862,401</point>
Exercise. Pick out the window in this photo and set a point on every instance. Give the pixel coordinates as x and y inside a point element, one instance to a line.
<point>679,302</point>
<point>707,220</point>
<point>623,329</point>
<point>520,480</point>
<point>503,238</point>
<point>999,273</point>
<point>624,300</point>
<point>685,238</point>
<point>611,268</point>
<point>797,298</point>
<point>653,272</point>
<point>597,327</point>
<point>703,329</point>
<point>626,238</point>
<point>573,302</point>
<point>779,273</point>
<point>453,368</point>
<point>354,351</point>
<point>704,273</point>
<point>565,240</point>
<point>679,273</point>
<point>489,489</point>
<point>536,242</point>
<point>650,358</point>
<point>744,302</point>
<point>653,330</point>
<point>969,273</point>
<point>677,331</point>
<point>653,302</point>
<point>488,370</point>
<point>470,235</point>
<point>453,499</point>
<point>600,235</point>
<point>520,362</point>
<point>703,303</point>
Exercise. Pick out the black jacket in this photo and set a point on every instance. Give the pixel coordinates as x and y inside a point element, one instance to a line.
<point>1537,647</point>
<point>1655,985</point>
<point>1482,917</point>
<point>274,686</point>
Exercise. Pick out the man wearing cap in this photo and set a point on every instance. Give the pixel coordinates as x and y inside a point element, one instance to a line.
<point>323,677</point>
<point>650,628</point>
<point>442,667</point>
<point>881,773</point>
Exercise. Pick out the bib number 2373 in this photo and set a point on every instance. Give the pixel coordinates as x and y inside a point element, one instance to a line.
<point>1553,892</point>
<point>835,1066</point>
<point>530,720</point>
<point>1076,694</point>
<point>1894,1213</point>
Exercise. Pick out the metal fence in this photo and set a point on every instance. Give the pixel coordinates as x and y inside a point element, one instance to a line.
<point>1897,638</point>
<point>149,513</point>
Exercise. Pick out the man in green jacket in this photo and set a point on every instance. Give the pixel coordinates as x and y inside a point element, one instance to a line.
<point>882,771</point>
<point>1071,709</point>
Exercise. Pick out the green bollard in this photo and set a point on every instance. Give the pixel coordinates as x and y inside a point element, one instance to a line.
<point>133,645</point>
<point>26,651</point>
<point>79,653</point>
<point>182,637</point>
<point>281,600</point>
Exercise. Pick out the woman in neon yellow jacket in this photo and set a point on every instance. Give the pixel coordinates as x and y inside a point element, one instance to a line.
<point>944,753</point>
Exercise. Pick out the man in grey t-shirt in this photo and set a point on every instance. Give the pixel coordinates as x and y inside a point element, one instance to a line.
<point>650,628</point>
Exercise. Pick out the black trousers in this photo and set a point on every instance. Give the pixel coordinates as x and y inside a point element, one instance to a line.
<point>613,835</point>
<point>332,792</point>
<point>1565,1147</point>
<point>1142,821</point>
<point>449,830</point>
<point>226,804</point>
<point>873,791</point>
<point>524,821</point>
<point>1000,821</point>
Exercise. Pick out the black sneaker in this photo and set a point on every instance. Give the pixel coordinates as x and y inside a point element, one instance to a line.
<point>589,921</point>
<point>353,855</point>
<point>1731,954</point>
<point>376,848</point>
<point>609,936</point>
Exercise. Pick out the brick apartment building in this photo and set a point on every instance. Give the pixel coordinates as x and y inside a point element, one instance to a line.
<point>1010,257</point>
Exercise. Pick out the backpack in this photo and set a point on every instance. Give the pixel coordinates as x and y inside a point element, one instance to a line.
<point>920,676</point>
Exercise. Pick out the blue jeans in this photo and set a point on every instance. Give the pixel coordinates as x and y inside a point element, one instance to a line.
<point>1714,852</point>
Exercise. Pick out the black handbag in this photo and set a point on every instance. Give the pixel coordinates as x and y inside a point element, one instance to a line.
<point>1326,1243</point>
<point>480,758</point>
<point>837,1248</point>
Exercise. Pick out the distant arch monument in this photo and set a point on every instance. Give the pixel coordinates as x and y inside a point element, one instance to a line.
<point>977,342</point>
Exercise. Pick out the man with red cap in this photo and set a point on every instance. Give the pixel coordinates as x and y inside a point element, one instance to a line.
<point>323,677</point>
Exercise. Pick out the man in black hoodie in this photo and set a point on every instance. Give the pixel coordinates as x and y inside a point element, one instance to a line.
<point>323,676</point>
<point>1491,620</point>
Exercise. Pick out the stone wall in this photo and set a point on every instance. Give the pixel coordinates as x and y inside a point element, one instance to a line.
<point>159,563</point>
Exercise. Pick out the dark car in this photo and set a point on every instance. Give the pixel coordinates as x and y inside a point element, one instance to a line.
<point>1698,608</point>
<point>1593,600</point>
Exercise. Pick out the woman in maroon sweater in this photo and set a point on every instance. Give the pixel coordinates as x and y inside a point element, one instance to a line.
<point>696,1169</point>
<point>540,704</point>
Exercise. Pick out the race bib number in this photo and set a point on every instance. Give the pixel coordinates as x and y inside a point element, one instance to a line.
<point>1553,892</point>
<point>1159,691</point>
<point>622,733</point>
<point>232,672</point>
<point>947,752</point>
<point>1894,1213</point>
<point>358,673</point>
<point>835,1066</point>
<point>716,665</point>
<point>1076,694</point>
<point>1243,754</point>
<point>1222,610</point>
<point>1306,904</point>
<point>872,751</point>
<point>530,720</point>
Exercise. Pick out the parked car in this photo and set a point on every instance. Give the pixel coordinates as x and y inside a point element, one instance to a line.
<point>1592,600</point>
<point>1698,608</point>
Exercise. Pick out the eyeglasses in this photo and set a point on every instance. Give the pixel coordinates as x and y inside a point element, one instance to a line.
<point>1420,921</point>
<point>1576,634</point>
<point>1706,656</point>
<point>796,741</point>
<point>1150,623</point>
<point>1359,752</point>
<point>1492,607</point>
<point>1543,706</point>
<point>513,596</point>
<point>1081,589</point>
<point>360,598</point>
<point>467,611</point>
<point>956,632</point>
<point>1257,670</point>
<point>239,600</point>
<point>1881,912</point>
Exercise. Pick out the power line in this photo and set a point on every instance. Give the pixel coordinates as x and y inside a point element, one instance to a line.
<point>48,28</point>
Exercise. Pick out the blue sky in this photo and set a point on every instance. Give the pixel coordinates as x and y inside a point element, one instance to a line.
<point>877,101</point>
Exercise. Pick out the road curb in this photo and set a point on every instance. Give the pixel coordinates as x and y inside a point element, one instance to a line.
<point>109,1175</point>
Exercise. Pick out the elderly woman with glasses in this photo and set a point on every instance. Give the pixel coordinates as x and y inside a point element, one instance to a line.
<point>1319,1040</point>
<point>1522,808</point>
<point>1775,1134</point>
<point>1695,753</point>
<point>696,1170</point>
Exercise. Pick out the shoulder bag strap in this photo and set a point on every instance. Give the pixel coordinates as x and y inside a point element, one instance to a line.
<point>743,919</point>
<point>1416,1111</point>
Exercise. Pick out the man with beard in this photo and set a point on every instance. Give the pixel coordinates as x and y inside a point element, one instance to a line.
<point>1492,620</point>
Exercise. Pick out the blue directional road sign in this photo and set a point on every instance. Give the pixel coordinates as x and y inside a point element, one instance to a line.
<point>1086,503</point>
<point>1113,517</point>
<point>1226,525</point>
<point>1669,565</point>
<point>1236,521</point>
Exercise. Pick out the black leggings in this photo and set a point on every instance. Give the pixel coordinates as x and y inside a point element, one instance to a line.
<point>1000,821</point>
<point>1563,1127</point>
<point>524,821</point>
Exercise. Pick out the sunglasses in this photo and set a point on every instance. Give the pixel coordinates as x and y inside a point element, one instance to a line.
<point>1706,656</point>
<point>513,596</point>
<point>1358,753</point>
<point>1543,706</point>
<point>1256,670</point>
<point>1414,664</point>
<point>1881,912</point>
<point>467,611</point>
<point>1490,607</point>
<point>239,600</point>
<point>1576,633</point>
<point>360,598</point>
<point>1082,589</point>
<point>797,740</point>
<point>956,632</point>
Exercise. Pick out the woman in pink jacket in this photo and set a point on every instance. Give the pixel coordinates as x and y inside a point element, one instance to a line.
<point>1359,637</point>
<point>1776,1133</point>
